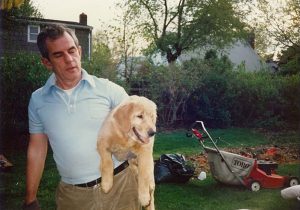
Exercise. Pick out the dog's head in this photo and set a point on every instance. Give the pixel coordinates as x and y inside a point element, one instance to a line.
<point>137,118</point>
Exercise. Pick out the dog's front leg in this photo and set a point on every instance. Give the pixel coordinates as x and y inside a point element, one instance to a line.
<point>146,182</point>
<point>106,168</point>
<point>151,205</point>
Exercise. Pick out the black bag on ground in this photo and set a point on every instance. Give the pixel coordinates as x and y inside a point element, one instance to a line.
<point>172,168</point>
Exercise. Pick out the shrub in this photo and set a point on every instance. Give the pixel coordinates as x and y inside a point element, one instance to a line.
<point>210,90</point>
<point>211,100</point>
<point>290,100</point>
<point>168,86</point>
<point>20,74</point>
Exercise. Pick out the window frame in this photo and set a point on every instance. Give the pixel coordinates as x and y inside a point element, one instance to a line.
<point>29,28</point>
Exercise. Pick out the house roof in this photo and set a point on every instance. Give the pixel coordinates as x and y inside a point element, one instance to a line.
<point>40,21</point>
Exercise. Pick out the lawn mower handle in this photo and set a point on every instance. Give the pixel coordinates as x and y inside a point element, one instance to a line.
<point>217,149</point>
<point>197,134</point>
<point>202,125</point>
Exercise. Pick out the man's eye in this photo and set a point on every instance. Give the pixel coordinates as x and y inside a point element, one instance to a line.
<point>58,55</point>
<point>140,116</point>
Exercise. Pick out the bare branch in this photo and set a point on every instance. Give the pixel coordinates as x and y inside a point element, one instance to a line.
<point>152,16</point>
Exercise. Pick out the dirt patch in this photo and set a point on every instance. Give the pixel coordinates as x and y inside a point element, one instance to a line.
<point>280,154</point>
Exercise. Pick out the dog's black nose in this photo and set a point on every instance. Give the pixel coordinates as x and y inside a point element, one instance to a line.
<point>151,133</point>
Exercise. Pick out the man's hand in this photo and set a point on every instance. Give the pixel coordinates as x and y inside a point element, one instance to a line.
<point>32,206</point>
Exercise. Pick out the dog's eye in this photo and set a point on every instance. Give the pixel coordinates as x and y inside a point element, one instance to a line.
<point>140,116</point>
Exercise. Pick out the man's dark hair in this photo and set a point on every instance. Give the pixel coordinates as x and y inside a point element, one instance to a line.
<point>53,32</point>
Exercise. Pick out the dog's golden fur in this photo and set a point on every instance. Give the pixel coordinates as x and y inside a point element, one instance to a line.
<point>129,131</point>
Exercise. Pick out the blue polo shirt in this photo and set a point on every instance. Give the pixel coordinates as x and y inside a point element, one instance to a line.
<point>72,123</point>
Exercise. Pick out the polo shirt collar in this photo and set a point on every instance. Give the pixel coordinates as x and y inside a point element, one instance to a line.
<point>51,82</point>
<point>89,78</point>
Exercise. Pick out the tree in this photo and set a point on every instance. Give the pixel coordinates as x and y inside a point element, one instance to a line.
<point>171,87</point>
<point>102,63</point>
<point>26,9</point>
<point>276,24</point>
<point>125,38</point>
<point>9,4</point>
<point>175,26</point>
<point>122,39</point>
<point>289,60</point>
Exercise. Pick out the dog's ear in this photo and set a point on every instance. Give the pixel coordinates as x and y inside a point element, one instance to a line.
<point>123,116</point>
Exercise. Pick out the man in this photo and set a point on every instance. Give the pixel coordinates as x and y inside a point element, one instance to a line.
<point>68,112</point>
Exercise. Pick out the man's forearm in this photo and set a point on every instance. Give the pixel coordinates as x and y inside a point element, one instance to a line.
<point>33,176</point>
<point>36,156</point>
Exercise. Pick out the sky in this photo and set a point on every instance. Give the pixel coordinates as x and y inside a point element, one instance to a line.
<point>97,11</point>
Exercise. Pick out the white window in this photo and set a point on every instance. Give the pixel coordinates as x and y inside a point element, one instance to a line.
<point>33,31</point>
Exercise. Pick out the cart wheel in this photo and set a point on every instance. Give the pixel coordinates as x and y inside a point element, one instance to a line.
<point>255,186</point>
<point>188,134</point>
<point>293,181</point>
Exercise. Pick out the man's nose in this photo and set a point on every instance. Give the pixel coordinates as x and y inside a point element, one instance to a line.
<point>68,58</point>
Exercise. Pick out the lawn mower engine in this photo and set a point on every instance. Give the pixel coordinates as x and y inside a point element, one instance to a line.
<point>267,166</point>
<point>263,174</point>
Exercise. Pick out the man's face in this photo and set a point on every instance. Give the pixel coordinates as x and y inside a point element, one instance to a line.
<point>64,60</point>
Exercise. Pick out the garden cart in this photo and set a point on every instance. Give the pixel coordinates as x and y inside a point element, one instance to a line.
<point>235,169</point>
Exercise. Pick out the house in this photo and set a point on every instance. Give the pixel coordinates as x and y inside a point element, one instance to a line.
<point>243,53</point>
<point>20,34</point>
<point>239,53</point>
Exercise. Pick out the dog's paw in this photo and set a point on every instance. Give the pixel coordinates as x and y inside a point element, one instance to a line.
<point>145,199</point>
<point>106,186</point>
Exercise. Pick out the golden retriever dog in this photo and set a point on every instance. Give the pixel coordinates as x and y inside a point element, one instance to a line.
<point>129,131</point>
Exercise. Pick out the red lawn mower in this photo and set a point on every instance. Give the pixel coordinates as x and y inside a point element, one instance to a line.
<point>234,169</point>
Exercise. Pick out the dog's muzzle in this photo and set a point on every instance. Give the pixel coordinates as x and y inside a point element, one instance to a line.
<point>150,133</point>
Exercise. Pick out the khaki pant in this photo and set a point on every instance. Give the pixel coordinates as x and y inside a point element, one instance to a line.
<point>123,195</point>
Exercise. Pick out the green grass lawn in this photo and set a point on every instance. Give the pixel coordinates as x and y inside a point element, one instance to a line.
<point>210,195</point>
<point>195,194</point>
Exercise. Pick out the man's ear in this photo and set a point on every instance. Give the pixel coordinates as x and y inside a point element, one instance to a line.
<point>47,63</point>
